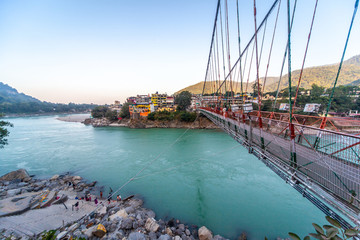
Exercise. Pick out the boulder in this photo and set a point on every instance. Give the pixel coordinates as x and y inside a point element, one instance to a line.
<point>74,227</point>
<point>135,203</point>
<point>99,231</point>
<point>112,227</point>
<point>127,223</point>
<point>18,174</point>
<point>164,237</point>
<point>130,210</point>
<point>204,233</point>
<point>102,211</point>
<point>77,233</point>
<point>22,184</point>
<point>178,232</point>
<point>218,237</point>
<point>177,238</point>
<point>76,178</point>
<point>168,231</point>
<point>55,177</point>
<point>187,232</point>
<point>27,179</point>
<point>88,232</point>
<point>150,214</point>
<point>181,227</point>
<point>152,236</point>
<point>61,235</point>
<point>151,225</point>
<point>242,236</point>
<point>13,192</point>
<point>122,214</point>
<point>136,236</point>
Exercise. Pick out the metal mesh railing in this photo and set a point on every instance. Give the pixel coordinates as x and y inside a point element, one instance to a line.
<point>327,158</point>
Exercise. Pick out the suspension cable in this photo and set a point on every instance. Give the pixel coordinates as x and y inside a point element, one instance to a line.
<point>251,39</point>
<point>222,47</point>
<point>283,63</point>
<point>257,68</point>
<point>228,44</point>
<point>211,44</point>
<point>271,46</point>
<point>341,62</point>
<point>239,43</point>
<point>262,42</point>
<point>307,45</point>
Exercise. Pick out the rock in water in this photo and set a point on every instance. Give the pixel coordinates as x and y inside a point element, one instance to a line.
<point>151,225</point>
<point>18,174</point>
<point>55,177</point>
<point>204,233</point>
<point>242,236</point>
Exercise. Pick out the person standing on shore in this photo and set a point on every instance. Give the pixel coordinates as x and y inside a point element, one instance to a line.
<point>100,194</point>
<point>109,198</point>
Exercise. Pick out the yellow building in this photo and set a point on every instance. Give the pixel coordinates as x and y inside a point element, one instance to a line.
<point>159,100</point>
<point>142,109</point>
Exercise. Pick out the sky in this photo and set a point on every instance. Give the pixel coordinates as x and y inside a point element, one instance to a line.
<point>92,51</point>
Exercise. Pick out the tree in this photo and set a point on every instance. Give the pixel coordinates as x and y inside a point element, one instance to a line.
<point>111,115</point>
<point>4,132</point>
<point>183,100</point>
<point>255,89</point>
<point>125,113</point>
<point>99,112</point>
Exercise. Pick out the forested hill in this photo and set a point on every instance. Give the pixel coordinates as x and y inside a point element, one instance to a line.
<point>11,95</point>
<point>323,76</point>
<point>13,102</point>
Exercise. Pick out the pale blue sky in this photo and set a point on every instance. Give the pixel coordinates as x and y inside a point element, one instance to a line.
<point>101,51</point>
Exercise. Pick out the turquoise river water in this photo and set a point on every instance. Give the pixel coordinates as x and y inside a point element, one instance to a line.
<point>206,178</point>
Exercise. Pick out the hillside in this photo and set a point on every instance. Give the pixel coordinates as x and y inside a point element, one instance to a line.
<point>322,76</point>
<point>13,102</point>
<point>11,95</point>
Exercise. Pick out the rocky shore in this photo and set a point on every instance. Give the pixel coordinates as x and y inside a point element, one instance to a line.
<point>200,123</point>
<point>33,208</point>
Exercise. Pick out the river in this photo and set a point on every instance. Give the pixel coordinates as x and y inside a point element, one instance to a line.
<point>202,177</point>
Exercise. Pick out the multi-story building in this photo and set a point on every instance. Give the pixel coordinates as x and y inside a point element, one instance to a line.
<point>141,109</point>
<point>170,101</point>
<point>159,100</point>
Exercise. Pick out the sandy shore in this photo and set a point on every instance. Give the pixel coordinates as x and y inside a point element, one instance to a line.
<point>74,118</point>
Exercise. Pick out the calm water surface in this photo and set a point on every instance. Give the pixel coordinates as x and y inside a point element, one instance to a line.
<point>206,178</point>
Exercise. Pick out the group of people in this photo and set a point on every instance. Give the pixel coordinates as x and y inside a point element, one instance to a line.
<point>88,198</point>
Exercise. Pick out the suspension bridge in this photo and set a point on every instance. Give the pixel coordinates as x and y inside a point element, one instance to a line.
<point>309,152</point>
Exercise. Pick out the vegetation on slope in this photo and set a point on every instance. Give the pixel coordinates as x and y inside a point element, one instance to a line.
<point>13,102</point>
<point>323,76</point>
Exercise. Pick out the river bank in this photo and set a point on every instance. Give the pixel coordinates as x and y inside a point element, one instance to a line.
<point>200,123</point>
<point>17,115</point>
<point>30,206</point>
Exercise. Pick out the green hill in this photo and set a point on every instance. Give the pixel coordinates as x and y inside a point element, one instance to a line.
<point>322,76</point>
<point>11,95</point>
<point>11,101</point>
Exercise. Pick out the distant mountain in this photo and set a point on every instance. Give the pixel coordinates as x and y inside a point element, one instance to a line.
<point>13,102</point>
<point>11,95</point>
<point>322,75</point>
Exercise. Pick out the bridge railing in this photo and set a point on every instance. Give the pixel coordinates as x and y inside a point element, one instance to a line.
<point>326,157</point>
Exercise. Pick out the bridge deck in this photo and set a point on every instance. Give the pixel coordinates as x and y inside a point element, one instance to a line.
<point>331,171</point>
